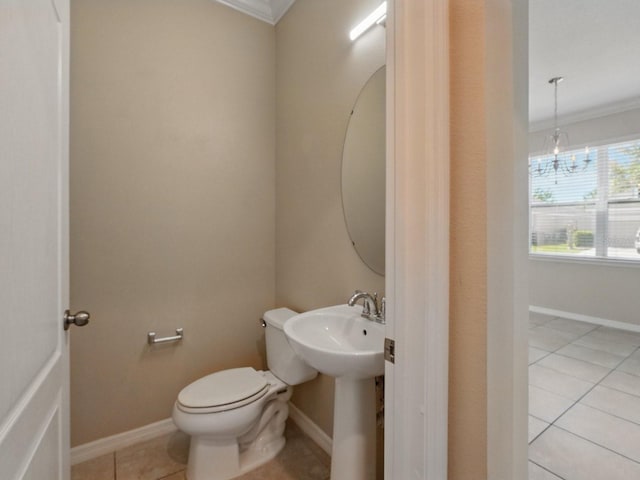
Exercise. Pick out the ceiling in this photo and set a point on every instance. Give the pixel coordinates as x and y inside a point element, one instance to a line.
<point>595,46</point>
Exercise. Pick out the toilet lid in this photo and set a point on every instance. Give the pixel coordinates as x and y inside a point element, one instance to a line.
<point>223,388</point>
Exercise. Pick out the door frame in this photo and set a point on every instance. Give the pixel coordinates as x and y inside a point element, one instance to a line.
<point>507,100</point>
<point>417,239</point>
<point>417,283</point>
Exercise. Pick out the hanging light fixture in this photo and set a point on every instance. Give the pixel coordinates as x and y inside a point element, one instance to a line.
<point>555,160</point>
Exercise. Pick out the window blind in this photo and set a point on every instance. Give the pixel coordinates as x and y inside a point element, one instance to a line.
<point>593,212</point>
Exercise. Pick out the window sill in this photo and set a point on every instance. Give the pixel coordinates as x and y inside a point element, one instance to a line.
<point>591,261</point>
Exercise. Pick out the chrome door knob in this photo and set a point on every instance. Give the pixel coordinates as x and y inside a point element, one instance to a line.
<point>79,319</point>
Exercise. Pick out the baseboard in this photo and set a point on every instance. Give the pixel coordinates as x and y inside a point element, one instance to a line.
<point>313,431</point>
<point>102,446</point>
<point>585,318</point>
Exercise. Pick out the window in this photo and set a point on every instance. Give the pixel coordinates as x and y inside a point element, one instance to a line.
<point>593,213</point>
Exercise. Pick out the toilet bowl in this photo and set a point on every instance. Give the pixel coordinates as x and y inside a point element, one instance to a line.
<point>236,417</point>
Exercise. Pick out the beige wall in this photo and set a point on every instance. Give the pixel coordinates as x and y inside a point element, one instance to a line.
<point>319,75</point>
<point>172,195</point>
<point>601,291</point>
<point>468,301</point>
<point>172,201</point>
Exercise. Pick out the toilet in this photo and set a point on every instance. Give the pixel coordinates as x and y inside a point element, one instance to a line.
<point>236,417</point>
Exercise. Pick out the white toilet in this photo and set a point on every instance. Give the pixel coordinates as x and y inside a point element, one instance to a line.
<point>236,417</point>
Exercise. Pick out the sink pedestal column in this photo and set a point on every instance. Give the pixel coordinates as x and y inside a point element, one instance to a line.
<point>353,454</point>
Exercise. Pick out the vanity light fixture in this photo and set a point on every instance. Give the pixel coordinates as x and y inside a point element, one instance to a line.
<point>376,17</point>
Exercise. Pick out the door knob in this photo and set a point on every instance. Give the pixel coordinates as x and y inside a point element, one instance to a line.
<point>79,319</point>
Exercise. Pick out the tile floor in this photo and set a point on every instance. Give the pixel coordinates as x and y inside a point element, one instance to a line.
<point>166,457</point>
<point>584,401</point>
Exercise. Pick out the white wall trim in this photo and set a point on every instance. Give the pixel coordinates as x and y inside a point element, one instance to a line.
<point>598,112</point>
<point>590,261</point>
<point>270,11</point>
<point>506,100</point>
<point>105,445</point>
<point>310,429</point>
<point>585,318</point>
<point>417,234</point>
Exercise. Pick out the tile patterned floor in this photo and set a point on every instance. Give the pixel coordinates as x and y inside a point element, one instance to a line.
<point>584,401</point>
<point>165,458</point>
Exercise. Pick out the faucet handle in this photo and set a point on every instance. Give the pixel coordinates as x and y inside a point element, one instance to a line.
<point>366,308</point>
<point>383,308</point>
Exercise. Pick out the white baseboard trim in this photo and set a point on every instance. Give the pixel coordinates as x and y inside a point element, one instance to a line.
<point>102,446</point>
<point>313,431</point>
<point>585,318</point>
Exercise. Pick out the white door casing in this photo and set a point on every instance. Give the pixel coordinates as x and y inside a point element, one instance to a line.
<point>34,98</point>
<point>417,240</point>
<point>507,60</point>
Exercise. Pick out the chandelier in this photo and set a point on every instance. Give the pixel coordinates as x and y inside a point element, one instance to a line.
<point>554,159</point>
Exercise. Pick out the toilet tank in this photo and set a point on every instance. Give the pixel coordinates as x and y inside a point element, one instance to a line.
<point>281,359</point>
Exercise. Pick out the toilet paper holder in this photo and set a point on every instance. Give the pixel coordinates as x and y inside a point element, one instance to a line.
<point>152,340</point>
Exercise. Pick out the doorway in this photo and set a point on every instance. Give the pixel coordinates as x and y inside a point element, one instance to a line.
<point>584,216</point>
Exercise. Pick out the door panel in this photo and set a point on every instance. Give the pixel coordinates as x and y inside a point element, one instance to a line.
<point>33,239</point>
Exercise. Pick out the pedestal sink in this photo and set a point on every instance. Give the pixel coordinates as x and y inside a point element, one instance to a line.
<point>339,342</point>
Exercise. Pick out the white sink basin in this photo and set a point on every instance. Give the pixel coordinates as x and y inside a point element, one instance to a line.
<point>338,342</point>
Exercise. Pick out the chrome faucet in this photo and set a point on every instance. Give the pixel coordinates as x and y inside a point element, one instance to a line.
<point>370,308</point>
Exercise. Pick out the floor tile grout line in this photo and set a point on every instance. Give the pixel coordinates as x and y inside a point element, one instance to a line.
<point>171,474</point>
<point>628,357</point>
<point>618,390</point>
<point>541,358</point>
<point>574,333</point>
<point>597,327</point>
<point>611,369</point>
<point>571,341</point>
<point>597,444</point>
<point>569,374</point>
<point>587,361</point>
<point>578,400</point>
<point>608,341</point>
<point>543,430</point>
<point>566,398</point>
<point>608,413</point>
<point>563,412</point>
<point>538,418</point>
<point>616,368</point>
<point>547,470</point>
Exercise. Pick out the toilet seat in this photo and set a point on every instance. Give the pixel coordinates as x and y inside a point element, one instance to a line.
<point>222,391</point>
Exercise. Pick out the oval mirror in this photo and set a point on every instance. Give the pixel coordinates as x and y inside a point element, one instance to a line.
<point>363,173</point>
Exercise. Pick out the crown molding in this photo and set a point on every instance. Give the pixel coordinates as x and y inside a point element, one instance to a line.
<point>584,115</point>
<point>270,11</point>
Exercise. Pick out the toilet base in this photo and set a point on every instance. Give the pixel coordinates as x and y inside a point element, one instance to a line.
<point>224,459</point>
<point>211,461</point>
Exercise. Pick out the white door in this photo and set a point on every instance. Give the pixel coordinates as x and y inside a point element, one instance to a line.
<point>34,98</point>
